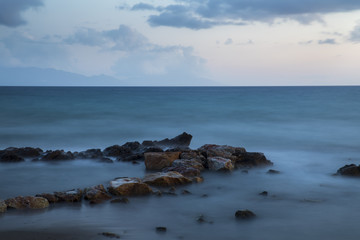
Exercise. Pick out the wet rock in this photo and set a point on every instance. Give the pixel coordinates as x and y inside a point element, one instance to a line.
<point>74,195</point>
<point>133,146</point>
<point>244,214</point>
<point>57,155</point>
<point>120,200</point>
<point>117,151</point>
<point>264,193</point>
<point>96,194</point>
<point>181,141</point>
<point>224,151</point>
<point>193,162</point>
<point>9,157</point>
<point>3,206</point>
<point>252,159</point>
<point>184,170</point>
<point>110,235</point>
<point>166,179</point>
<point>272,171</point>
<point>161,229</point>
<point>160,160</point>
<point>90,154</point>
<point>220,164</point>
<point>27,202</point>
<point>349,170</point>
<point>26,152</point>
<point>193,154</point>
<point>49,196</point>
<point>126,186</point>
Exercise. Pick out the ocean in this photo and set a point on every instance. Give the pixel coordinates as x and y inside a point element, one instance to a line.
<point>308,132</point>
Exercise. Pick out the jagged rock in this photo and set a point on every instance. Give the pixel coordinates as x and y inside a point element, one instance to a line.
<point>117,151</point>
<point>3,206</point>
<point>160,160</point>
<point>74,195</point>
<point>50,197</point>
<point>26,152</point>
<point>90,154</point>
<point>96,194</point>
<point>349,170</point>
<point>57,155</point>
<point>27,202</point>
<point>244,214</point>
<point>126,186</point>
<point>166,179</point>
<point>9,157</point>
<point>120,200</point>
<point>220,164</point>
<point>181,141</point>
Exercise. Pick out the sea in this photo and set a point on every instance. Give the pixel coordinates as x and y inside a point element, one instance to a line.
<point>307,132</point>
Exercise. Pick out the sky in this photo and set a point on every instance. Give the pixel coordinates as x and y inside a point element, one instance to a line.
<point>181,42</point>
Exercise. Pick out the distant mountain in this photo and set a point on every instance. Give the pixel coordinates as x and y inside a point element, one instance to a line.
<point>51,77</point>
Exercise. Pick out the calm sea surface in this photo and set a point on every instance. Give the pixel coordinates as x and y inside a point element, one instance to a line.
<point>308,132</point>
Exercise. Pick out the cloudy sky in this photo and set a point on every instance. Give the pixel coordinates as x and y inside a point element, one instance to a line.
<point>183,42</point>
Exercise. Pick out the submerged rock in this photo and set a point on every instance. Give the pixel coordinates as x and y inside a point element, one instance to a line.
<point>160,160</point>
<point>272,171</point>
<point>110,235</point>
<point>120,200</point>
<point>220,164</point>
<point>349,170</point>
<point>126,186</point>
<point>244,214</point>
<point>27,202</point>
<point>57,155</point>
<point>167,179</point>
<point>3,206</point>
<point>96,194</point>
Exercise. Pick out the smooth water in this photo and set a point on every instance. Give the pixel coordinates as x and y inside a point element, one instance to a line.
<point>308,132</point>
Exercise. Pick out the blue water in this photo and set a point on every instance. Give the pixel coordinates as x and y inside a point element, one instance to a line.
<point>308,132</point>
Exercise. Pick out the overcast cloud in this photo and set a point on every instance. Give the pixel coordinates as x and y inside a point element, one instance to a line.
<point>11,10</point>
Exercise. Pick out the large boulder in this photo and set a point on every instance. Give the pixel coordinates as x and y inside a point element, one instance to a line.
<point>117,151</point>
<point>166,179</point>
<point>160,160</point>
<point>181,141</point>
<point>27,202</point>
<point>220,164</point>
<point>96,194</point>
<point>74,195</point>
<point>349,170</point>
<point>9,157</point>
<point>3,206</point>
<point>126,186</point>
<point>57,155</point>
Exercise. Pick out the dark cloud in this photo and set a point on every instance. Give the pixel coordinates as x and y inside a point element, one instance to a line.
<point>10,11</point>
<point>327,41</point>
<point>355,34</point>
<point>198,14</point>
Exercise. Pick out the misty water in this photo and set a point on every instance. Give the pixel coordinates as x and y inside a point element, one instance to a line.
<point>308,132</point>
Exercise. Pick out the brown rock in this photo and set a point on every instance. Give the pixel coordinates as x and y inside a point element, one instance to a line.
<point>349,170</point>
<point>3,206</point>
<point>166,179</point>
<point>74,195</point>
<point>186,171</point>
<point>129,187</point>
<point>220,164</point>
<point>27,202</point>
<point>50,197</point>
<point>160,160</point>
<point>96,194</point>
<point>252,159</point>
<point>57,155</point>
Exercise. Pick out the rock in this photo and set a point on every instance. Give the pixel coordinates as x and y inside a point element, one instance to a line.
<point>193,162</point>
<point>244,214</point>
<point>117,151</point>
<point>185,192</point>
<point>186,171</point>
<point>126,186</point>
<point>272,171</point>
<point>74,195</point>
<point>110,235</point>
<point>50,197</point>
<point>166,179</point>
<point>131,158</point>
<point>26,152</point>
<point>220,164</point>
<point>264,193</point>
<point>120,200</point>
<point>252,159</point>
<point>160,160</point>
<point>161,229</point>
<point>27,202</point>
<point>181,142</point>
<point>3,206</point>
<point>96,194</point>
<point>133,146</point>
<point>152,149</point>
<point>349,170</point>
<point>9,157</point>
<point>224,151</point>
<point>57,155</point>
<point>90,154</point>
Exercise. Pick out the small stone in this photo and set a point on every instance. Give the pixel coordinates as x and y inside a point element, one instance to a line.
<point>272,171</point>
<point>264,193</point>
<point>244,214</point>
<point>201,219</point>
<point>185,192</point>
<point>110,235</point>
<point>161,229</point>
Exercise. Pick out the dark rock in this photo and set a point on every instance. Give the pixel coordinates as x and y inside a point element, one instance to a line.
<point>96,194</point>
<point>133,146</point>
<point>90,154</point>
<point>152,149</point>
<point>120,200</point>
<point>3,206</point>
<point>349,170</point>
<point>52,198</point>
<point>186,171</point>
<point>202,219</point>
<point>272,171</point>
<point>224,151</point>
<point>160,160</point>
<point>264,193</point>
<point>166,179</point>
<point>26,152</point>
<point>244,214</point>
<point>220,164</point>
<point>161,229</point>
<point>131,158</point>
<point>181,142</point>
<point>129,187</point>
<point>193,162</point>
<point>74,195</point>
<point>57,155</point>
<point>27,202</point>
<point>9,157</point>
<point>117,151</point>
<point>252,159</point>
<point>110,235</point>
